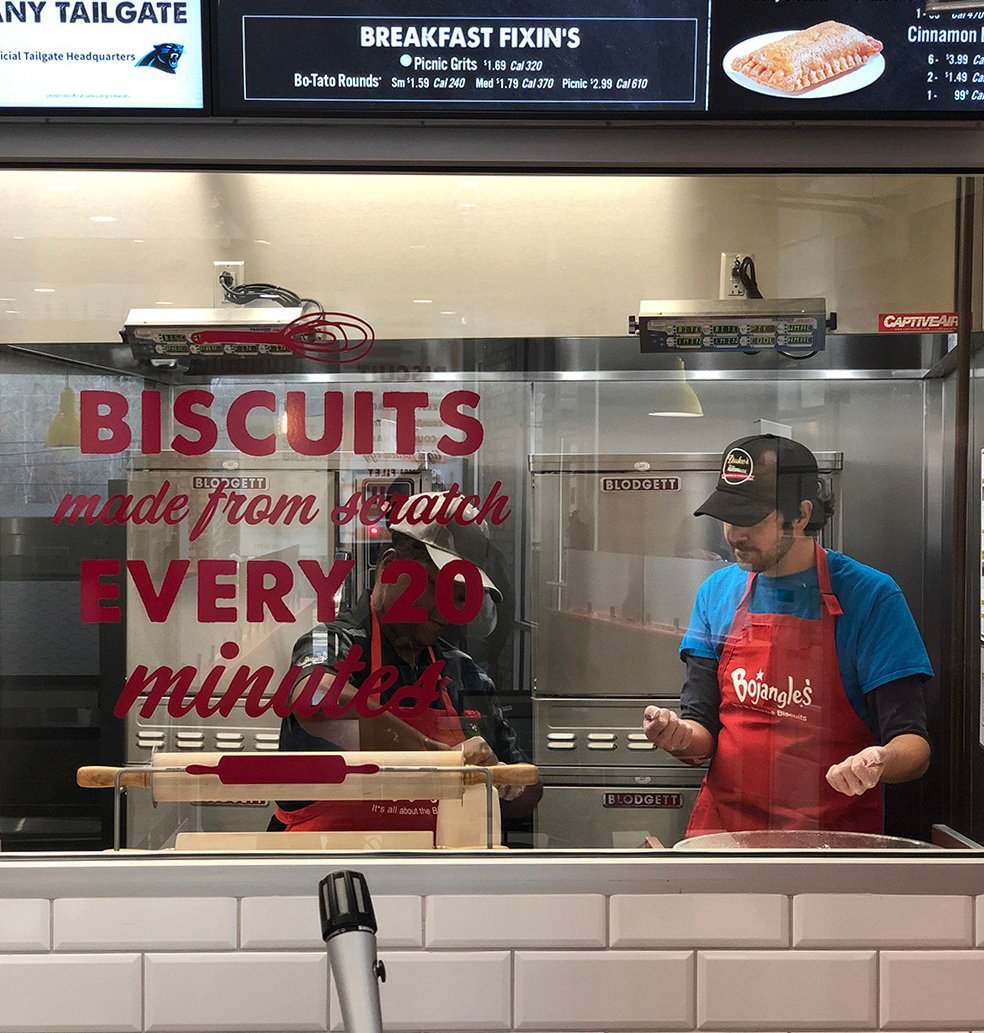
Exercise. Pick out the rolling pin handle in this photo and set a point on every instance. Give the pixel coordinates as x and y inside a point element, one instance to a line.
<point>514,774</point>
<point>100,777</point>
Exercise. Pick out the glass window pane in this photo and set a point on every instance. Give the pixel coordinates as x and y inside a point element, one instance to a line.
<point>272,502</point>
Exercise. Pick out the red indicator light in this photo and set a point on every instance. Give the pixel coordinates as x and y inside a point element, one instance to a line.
<point>373,530</point>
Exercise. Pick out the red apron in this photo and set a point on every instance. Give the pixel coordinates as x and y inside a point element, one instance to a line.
<point>785,719</point>
<point>442,725</point>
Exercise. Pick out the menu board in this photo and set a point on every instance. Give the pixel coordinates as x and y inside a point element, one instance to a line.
<point>112,55</point>
<point>692,59</point>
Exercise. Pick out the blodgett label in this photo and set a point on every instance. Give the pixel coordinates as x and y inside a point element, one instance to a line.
<point>640,484</point>
<point>669,800</point>
<point>235,483</point>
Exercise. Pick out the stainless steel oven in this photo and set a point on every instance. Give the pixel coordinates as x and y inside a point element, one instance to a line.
<point>617,560</point>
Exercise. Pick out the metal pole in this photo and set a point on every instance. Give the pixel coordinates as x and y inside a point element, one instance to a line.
<point>958,689</point>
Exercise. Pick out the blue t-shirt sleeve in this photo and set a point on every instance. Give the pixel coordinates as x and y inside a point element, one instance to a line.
<point>889,645</point>
<point>713,613</point>
<point>709,620</point>
<point>699,639</point>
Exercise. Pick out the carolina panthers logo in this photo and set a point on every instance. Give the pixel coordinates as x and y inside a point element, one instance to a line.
<point>164,57</point>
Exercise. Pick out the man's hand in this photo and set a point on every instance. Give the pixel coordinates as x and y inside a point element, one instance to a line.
<point>478,752</point>
<point>665,729</point>
<point>860,772</point>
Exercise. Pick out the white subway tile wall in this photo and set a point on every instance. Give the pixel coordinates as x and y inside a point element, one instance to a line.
<point>540,962</point>
<point>934,989</point>
<point>700,920</point>
<point>25,925</point>
<point>236,992</point>
<point>578,920</point>
<point>637,990</point>
<point>150,923</point>
<point>443,991</point>
<point>882,920</point>
<point>786,990</point>
<point>71,993</point>
<point>285,922</point>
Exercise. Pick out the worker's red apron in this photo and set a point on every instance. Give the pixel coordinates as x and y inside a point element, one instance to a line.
<point>443,725</point>
<point>785,719</point>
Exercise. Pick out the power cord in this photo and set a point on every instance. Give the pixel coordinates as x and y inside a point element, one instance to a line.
<point>746,275</point>
<point>247,293</point>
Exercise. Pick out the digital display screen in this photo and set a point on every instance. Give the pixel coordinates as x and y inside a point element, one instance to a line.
<point>632,58</point>
<point>440,56</point>
<point>113,56</point>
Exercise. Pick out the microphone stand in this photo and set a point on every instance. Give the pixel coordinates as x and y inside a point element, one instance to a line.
<point>348,927</point>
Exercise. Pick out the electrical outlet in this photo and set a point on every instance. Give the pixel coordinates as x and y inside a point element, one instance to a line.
<point>730,285</point>
<point>237,270</point>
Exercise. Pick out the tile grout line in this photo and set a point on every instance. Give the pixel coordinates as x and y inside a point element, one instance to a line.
<point>512,989</point>
<point>878,1004</point>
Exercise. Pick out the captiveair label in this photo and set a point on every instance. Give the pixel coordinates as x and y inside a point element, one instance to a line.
<point>917,322</point>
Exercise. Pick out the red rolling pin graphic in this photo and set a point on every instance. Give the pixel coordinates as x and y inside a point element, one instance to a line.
<point>300,770</point>
<point>322,336</point>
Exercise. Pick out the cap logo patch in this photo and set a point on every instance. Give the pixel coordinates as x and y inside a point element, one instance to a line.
<point>738,467</point>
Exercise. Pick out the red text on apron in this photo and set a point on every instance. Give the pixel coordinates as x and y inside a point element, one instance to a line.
<point>785,720</point>
<point>442,725</point>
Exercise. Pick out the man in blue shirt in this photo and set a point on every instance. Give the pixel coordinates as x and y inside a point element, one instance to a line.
<point>804,667</point>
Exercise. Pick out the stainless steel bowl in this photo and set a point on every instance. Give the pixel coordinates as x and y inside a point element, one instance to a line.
<point>796,839</point>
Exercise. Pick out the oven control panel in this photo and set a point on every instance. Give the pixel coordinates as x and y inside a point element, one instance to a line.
<point>794,326</point>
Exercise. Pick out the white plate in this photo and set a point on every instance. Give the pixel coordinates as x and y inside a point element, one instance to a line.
<point>850,82</point>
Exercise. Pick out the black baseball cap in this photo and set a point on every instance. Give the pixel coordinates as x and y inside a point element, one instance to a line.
<point>761,474</point>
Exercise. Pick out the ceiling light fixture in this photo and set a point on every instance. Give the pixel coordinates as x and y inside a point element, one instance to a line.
<point>675,397</point>
<point>63,432</point>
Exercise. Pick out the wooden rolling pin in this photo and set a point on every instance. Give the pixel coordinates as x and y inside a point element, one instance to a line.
<point>310,776</point>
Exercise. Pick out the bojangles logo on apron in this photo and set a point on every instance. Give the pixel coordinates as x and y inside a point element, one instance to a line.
<point>756,692</point>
